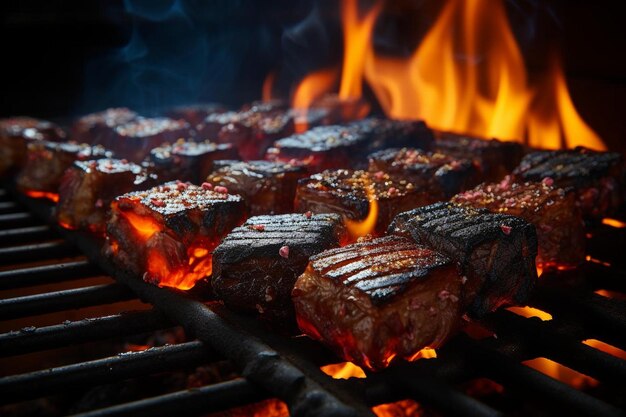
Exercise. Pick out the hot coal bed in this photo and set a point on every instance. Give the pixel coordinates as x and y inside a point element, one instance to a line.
<point>109,326</point>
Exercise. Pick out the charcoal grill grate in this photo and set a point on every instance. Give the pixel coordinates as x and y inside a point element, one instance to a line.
<point>288,368</point>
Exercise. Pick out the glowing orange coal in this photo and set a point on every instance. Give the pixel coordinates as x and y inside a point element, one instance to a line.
<point>366,226</point>
<point>54,197</point>
<point>343,370</point>
<point>183,277</point>
<point>144,226</point>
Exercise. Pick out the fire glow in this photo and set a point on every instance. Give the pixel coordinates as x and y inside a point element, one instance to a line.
<point>54,197</point>
<point>467,76</point>
<point>364,227</point>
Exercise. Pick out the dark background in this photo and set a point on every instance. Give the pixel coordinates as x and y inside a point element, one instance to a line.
<point>64,58</point>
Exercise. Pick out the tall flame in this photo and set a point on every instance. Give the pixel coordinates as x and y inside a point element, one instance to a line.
<point>357,32</point>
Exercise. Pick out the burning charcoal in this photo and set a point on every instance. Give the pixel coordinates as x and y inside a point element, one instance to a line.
<point>267,187</point>
<point>598,178</point>
<point>189,161</point>
<point>553,211</point>
<point>257,264</point>
<point>46,163</point>
<point>493,158</point>
<point>325,147</point>
<point>16,132</point>
<point>496,252</point>
<point>250,132</point>
<point>386,133</point>
<point>98,128</point>
<point>88,187</point>
<point>368,200</point>
<point>194,114</point>
<point>377,300</point>
<point>441,174</point>
<point>167,233</point>
<point>135,139</point>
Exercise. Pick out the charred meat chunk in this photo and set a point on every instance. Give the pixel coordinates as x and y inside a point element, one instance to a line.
<point>98,128</point>
<point>186,160</point>
<point>378,300</point>
<point>496,252</point>
<point>382,133</point>
<point>46,163</point>
<point>598,178</point>
<point>324,147</point>
<point>357,194</point>
<point>250,131</point>
<point>441,174</point>
<point>257,264</point>
<point>267,187</point>
<point>134,140</point>
<point>88,188</point>
<point>16,133</point>
<point>494,159</point>
<point>194,114</point>
<point>553,211</point>
<point>167,233</point>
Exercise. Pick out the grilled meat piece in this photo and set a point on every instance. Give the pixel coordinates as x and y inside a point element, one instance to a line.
<point>267,187</point>
<point>494,159</point>
<point>598,178</point>
<point>345,146</point>
<point>88,187</point>
<point>496,252</point>
<point>250,131</point>
<point>46,163</point>
<point>189,161</point>
<point>98,128</point>
<point>441,174</point>
<point>324,147</point>
<point>338,110</point>
<point>377,300</point>
<point>194,114</point>
<point>553,211</point>
<point>167,233</point>
<point>134,140</point>
<point>257,264</point>
<point>16,133</point>
<point>349,193</point>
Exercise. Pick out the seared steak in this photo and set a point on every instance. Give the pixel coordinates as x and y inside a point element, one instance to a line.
<point>257,264</point>
<point>553,211</point>
<point>267,187</point>
<point>98,128</point>
<point>378,300</point>
<point>597,177</point>
<point>167,233</point>
<point>496,252</point>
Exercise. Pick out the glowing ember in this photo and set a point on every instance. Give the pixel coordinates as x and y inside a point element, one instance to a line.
<point>267,408</point>
<point>344,370</point>
<point>403,408</point>
<point>184,277</point>
<point>561,373</point>
<point>531,312</point>
<point>54,197</point>
<point>366,226</point>
<point>613,223</point>
<point>143,225</point>
<point>605,347</point>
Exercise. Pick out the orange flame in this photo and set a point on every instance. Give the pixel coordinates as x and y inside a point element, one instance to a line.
<point>357,34</point>
<point>268,87</point>
<point>468,76</point>
<point>54,197</point>
<point>183,277</point>
<point>344,370</point>
<point>143,225</point>
<point>613,223</point>
<point>364,227</point>
<point>312,87</point>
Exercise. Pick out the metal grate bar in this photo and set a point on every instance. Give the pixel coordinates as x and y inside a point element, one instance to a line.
<point>512,374</point>
<point>64,300</point>
<point>26,234</point>
<point>13,220</point>
<point>46,274</point>
<point>40,251</point>
<point>546,339</point>
<point>196,401</point>
<point>8,207</point>
<point>86,330</point>
<point>131,364</point>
